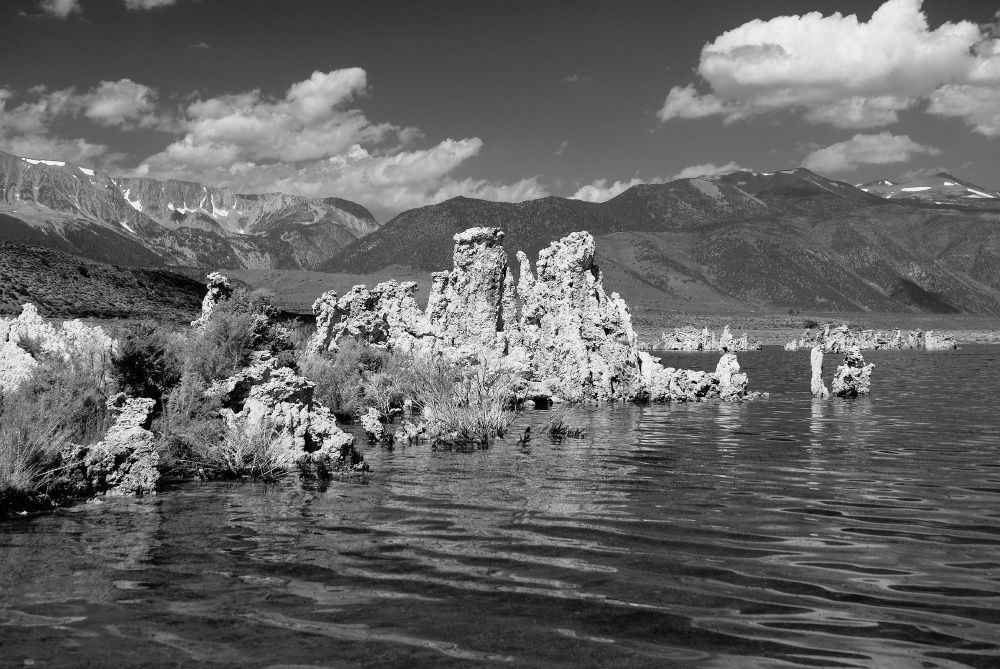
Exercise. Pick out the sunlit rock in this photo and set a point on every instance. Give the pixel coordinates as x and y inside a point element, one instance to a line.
<point>371,423</point>
<point>474,304</point>
<point>817,387</point>
<point>219,290</point>
<point>690,339</point>
<point>933,342</point>
<point>841,338</point>
<point>853,378</point>
<point>386,316</point>
<point>265,395</point>
<point>125,462</point>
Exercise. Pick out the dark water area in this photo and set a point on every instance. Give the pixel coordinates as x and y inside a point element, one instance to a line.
<point>785,532</point>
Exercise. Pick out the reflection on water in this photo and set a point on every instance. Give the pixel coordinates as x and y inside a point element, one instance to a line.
<point>785,532</point>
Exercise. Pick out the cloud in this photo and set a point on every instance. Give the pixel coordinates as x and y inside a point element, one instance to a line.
<point>599,191</point>
<point>122,103</point>
<point>59,8</point>
<point>134,5</point>
<point>310,141</point>
<point>860,112</point>
<point>562,148</point>
<point>978,106</point>
<point>881,149</point>
<point>199,45</point>
<point>579,78</point>
<point>705,169</point>
<point>837,69</point>
<point>687,103</point>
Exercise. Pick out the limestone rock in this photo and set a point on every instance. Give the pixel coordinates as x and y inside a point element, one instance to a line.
<point>219,289</point>
<point>853,378</point>
<point>371,422</point>
<point>578,336</point>
<point>410,431</point>
<point>817,387</point>
<point>690,339</point>
<point>124,463</point>
<point>385,316</point>
<point>266,394</point>
<point>474,304</point>
<point>842,338</point>
<point>934,342</point>
<point>571,341</point>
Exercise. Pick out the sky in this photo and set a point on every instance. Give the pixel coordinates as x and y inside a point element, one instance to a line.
<point>403,104</point>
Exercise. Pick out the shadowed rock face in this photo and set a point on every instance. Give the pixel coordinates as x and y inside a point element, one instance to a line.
<point>570,339</point>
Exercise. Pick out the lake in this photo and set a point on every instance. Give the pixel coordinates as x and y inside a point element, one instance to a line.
<point>783,532</point>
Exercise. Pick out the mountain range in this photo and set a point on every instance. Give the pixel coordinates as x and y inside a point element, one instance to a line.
<point>145,222</point>
<point>789,239</point>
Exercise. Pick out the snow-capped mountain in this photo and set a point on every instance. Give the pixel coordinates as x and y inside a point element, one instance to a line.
<point>142,221</point>
<point>940,189</point>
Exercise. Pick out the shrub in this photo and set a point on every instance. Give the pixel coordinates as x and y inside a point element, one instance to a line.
<point>147,363</point>
<point>54,407</point>
<point>466,406</point>
<point>189,424</point>
<point>809,324</point>
<point>246,451</point>
<point>236,329</point>
<point>558,429</point>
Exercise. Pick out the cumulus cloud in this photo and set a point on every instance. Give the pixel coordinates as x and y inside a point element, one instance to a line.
<point>881,149</point>
<point>839,70</point>
<point>147,4</point>
<point>600,191</point>
<point>978,106</point>
<point>123,103</point>
<point>310,141</point>
<point>705,169</point>
<point>59,8</point>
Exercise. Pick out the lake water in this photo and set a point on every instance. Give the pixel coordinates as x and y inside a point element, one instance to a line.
<point>778,533</point>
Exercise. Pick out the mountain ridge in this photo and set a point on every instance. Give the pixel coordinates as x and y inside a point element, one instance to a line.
<point>155,222</point>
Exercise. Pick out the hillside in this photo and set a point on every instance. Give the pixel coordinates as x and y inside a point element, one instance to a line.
<point>789,239</point>
<point>66,286</point>
<point>144,222</point>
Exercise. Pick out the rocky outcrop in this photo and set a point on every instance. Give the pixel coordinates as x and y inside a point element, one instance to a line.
<point>853,378</point>
<point>23,339</point>
<point>580,341</point>
<point>371,422</point>
<point>817,387</point>
<point>473,305</point>
<point>124,463</point>
<point>933,342</point>
<point>266,395</point>
<point>690,339</point>
<point>387,315</point>
<point>841,339</point>
<point>558,330</point>
<point>219,289</point>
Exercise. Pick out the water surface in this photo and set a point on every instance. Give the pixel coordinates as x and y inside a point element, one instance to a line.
<point>783,532</point>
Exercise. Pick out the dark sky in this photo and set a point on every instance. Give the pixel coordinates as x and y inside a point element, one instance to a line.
<point>537,97</point>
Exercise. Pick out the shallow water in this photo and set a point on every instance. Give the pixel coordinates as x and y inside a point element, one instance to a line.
<point>783,532</point>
